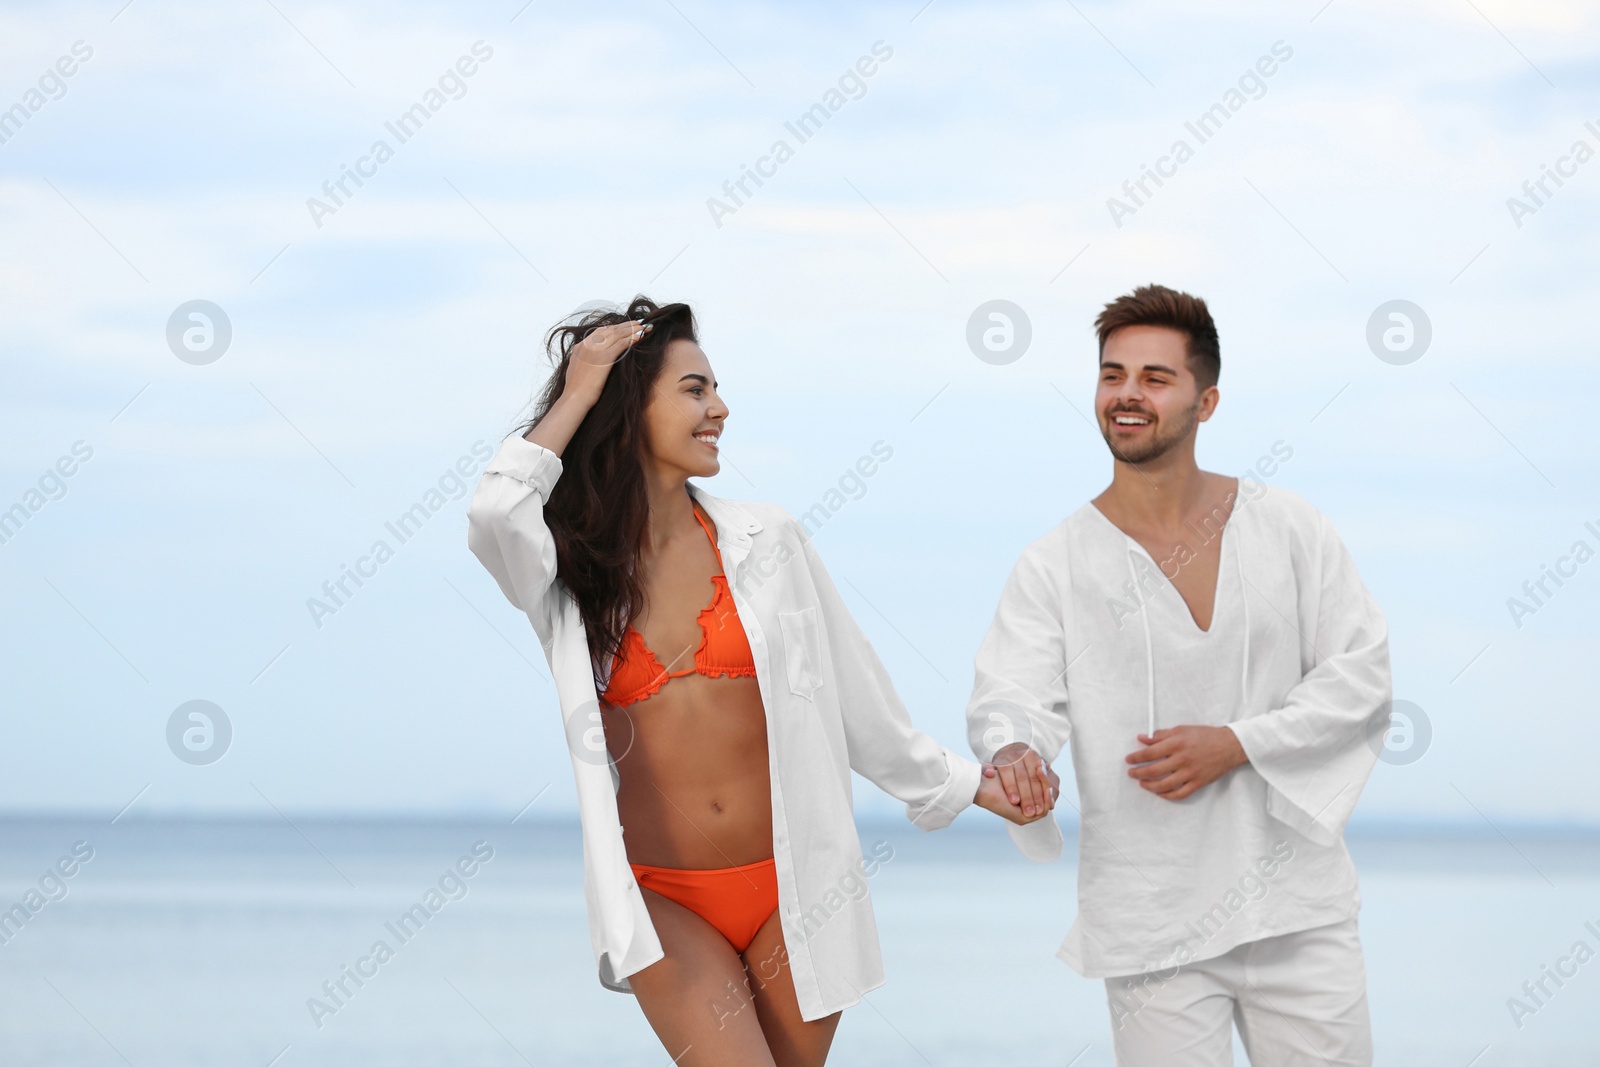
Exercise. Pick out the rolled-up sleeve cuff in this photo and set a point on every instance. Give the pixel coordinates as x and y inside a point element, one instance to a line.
<point>527,462</point>
<point>954,797</point>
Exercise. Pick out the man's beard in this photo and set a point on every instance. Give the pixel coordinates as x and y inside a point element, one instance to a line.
<point>1158,445</point>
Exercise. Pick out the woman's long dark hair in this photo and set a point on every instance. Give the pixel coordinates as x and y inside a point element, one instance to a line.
<point>598,511</point>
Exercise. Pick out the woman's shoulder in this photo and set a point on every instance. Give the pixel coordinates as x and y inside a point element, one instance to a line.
<point>761,520</point>
<point>750,514</point>
<point>769,513</point>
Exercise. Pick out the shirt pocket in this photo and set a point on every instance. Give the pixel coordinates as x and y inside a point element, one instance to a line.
<point>802,650</point>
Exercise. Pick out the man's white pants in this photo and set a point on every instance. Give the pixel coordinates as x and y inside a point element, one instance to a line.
<point>1298,998</point>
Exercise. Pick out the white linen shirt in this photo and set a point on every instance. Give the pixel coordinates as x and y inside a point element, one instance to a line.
<point>1091,642</point>
<point>830,709</point>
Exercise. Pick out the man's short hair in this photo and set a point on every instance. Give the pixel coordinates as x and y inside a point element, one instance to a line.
<point>1156,305</point>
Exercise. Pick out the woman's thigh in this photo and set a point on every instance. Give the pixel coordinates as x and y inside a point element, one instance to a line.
<point>692,996</point>
<point>793,1041</point>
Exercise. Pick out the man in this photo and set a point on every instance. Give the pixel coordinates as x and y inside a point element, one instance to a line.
<point>1222,707</point>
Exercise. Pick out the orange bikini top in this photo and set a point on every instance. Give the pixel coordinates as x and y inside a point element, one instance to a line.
<point>724,649</point>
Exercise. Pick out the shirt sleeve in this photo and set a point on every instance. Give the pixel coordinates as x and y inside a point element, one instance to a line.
<point>1019,686</point>
<point>505,521</point>
<point>884,747</point>
<point>1317,750</point>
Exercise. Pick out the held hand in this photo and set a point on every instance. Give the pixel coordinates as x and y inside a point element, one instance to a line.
<point>1025,779</point>
<point>592,358</point>
<point>991,796</point>
<point>1178,761</point>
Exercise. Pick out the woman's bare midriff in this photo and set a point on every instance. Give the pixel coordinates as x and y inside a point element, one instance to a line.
<point>695,790</point>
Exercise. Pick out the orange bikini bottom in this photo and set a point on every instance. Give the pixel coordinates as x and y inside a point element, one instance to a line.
<point>736,900</point>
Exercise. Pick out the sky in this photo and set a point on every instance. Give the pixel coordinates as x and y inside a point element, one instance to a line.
<point>380,339</point>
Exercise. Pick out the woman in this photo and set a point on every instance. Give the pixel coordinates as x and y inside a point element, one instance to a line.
<point>717,695</point>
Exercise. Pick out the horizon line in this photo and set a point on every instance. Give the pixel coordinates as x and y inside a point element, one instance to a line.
<point>1369,826</point>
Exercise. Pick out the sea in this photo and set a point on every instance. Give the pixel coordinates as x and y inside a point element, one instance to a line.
<point>203,942</point>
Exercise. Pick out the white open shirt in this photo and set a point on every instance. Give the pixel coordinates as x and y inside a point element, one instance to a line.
<point>1296,663</point>
<point>830,709</point>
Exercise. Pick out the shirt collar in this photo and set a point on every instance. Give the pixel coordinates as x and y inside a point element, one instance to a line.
<point>732,519</point>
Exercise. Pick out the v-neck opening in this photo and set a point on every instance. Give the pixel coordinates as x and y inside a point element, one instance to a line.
<point>1222,560</point>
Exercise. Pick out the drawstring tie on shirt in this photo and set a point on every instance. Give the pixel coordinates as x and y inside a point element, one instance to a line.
<point>1149,644</point>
